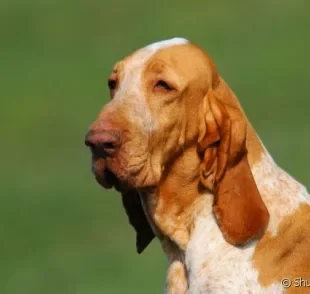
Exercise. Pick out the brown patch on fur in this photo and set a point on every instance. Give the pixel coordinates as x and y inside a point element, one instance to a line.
<point>286,255</point>
<point>238,207</point>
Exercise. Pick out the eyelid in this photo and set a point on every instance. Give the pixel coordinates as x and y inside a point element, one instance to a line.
<point>172,78</point>
<point>163,84</point>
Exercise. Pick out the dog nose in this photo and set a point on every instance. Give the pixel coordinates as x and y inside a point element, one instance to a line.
<point>104,142</point>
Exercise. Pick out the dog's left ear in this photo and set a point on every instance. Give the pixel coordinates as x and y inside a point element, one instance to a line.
<point>133,207</point>
<point>238,207</point>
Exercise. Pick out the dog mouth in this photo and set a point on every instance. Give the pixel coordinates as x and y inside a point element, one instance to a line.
<point>114,172</point>
<point>106,179</point>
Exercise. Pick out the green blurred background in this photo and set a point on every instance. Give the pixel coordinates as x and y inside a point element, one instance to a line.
<point>60,232</point>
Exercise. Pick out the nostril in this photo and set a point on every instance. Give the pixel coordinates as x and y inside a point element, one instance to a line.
<point>108,145</point>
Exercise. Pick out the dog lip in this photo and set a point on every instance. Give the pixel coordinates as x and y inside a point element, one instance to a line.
<point>103,182</point>
<point>106,176</point>
<point>107,179</point>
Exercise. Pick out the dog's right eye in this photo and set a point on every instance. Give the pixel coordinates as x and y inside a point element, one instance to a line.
<point>112,84</point>
<point>161,84</point>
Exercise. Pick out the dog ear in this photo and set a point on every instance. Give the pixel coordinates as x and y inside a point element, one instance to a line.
<point>238,207</point>
<point>136,216</point>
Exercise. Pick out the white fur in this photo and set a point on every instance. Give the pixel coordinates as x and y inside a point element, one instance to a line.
<point>219,268</point>
<point>280,191</point>
<point>166,43</point>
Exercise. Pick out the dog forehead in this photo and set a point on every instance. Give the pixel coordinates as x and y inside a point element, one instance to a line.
<point>140,57</point>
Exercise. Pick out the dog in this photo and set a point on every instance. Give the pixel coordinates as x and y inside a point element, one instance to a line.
<point>176,143</point>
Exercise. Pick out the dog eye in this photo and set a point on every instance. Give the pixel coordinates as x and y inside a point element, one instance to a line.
<point>112,84</point>
<point>163,85</point>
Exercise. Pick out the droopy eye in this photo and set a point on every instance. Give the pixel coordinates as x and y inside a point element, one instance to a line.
<point>112,84</point>
<point>163,85</point>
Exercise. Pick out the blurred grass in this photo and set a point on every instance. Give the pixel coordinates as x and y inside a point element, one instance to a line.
<point>60,232</point>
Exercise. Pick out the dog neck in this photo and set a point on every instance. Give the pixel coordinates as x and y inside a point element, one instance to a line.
<point>171,208</point>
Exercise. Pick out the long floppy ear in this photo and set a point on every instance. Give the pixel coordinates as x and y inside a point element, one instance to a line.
<point>238,207</point>
<point>133,207</point>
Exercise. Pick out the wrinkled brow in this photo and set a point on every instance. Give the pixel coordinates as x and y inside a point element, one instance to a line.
<point>157,66</point>
<point>161,68</point>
